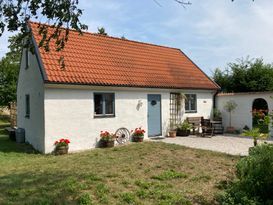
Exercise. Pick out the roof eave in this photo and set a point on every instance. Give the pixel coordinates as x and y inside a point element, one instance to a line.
<point>129,86</point>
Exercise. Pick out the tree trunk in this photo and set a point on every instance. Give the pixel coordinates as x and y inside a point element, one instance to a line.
<point>255,142</point>
<point>230,119</point>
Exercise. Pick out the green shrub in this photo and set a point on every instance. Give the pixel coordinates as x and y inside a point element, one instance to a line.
<point>254,182</point>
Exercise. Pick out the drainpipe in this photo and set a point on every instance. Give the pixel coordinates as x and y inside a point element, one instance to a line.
<point>214,98</point>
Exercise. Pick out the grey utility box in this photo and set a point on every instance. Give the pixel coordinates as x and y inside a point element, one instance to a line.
<point>20,135</point>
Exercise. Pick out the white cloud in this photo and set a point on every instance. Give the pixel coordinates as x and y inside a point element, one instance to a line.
<point>228,31</point>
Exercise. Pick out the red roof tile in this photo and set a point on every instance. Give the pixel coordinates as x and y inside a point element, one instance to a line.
<point>94,59</point>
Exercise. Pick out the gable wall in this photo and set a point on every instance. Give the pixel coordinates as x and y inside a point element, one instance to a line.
<point>30,82</point>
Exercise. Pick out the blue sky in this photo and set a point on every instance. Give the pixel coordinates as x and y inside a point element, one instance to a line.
<point>212,33</point>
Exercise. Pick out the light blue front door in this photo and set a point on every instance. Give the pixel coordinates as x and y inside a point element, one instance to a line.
<point>154,115</point>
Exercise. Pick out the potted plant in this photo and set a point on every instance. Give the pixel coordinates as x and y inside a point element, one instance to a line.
<point>107,139</point>
<point>61,146</point>
<point>172,131</point>
<point>230,106</point>
<point>138,135</point>
<point>255,134</point>
<point>217,115</point>
<point>184,129</point>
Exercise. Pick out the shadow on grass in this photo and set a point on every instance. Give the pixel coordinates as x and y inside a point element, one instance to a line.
<point>7,146</point>
<point>39,188</point>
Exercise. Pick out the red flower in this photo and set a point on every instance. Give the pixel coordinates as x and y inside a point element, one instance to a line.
<point>61,142</point>
<point>107,136</point>
<point>139,132</point>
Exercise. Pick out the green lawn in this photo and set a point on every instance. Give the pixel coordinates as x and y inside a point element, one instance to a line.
<point>146,173</point>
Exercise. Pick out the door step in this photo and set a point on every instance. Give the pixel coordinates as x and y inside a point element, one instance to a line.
<point>156,137</point>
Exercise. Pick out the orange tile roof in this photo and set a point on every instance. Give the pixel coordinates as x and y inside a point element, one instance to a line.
<point>93,59</point>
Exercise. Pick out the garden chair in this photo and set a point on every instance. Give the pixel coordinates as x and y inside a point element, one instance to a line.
<point>207,128</point>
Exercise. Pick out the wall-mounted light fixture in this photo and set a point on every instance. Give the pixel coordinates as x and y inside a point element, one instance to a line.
<point>139,104</point>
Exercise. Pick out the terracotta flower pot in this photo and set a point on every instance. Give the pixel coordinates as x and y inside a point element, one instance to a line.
<point>183,132</point>
<point>172,134</point>
<point>60,150</point>
<point>137,139</point>
<point>230,130</point>
<point>105,144</point>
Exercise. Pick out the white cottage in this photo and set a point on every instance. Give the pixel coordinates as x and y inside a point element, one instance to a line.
<point>107,83</point>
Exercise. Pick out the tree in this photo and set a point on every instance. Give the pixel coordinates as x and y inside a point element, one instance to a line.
<point>222,78</point>
<point>9,70</point>
<point>255,134</point>
<point>230,106</point>
<point>245,75</point>
<point>14,16</point>
<point>101,31</point>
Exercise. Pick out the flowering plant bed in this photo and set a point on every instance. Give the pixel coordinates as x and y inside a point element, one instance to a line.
<point>138,135</point>
<point>61,146</point>
<point>107,139</point>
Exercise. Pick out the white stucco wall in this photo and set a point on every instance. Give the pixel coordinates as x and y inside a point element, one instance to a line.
<point>204,104</point>
<point>30,82</point>
<point>69,113</point>
<point>242,115</point>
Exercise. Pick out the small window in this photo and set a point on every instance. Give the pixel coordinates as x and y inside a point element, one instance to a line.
<point>104,104</point>
<point>27,106</point>
<point>191,103</point>
<point>27,58</point>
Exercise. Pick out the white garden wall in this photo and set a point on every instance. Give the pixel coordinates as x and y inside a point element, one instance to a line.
<point>242,115</point>
<point>69,113</point>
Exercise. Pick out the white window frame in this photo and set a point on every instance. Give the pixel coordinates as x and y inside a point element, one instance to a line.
<point>188,100</point>
<point>104,105</point>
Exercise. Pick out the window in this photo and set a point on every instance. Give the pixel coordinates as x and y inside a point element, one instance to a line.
<point>27,106</point>
<point>104,104</point>
<point>190,103</point>
<point>26,58</point>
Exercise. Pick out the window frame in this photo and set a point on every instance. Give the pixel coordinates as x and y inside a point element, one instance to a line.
<point>190,110</point>
<point>27,58</point>
<point>27,106</point>
<point>104,115</point>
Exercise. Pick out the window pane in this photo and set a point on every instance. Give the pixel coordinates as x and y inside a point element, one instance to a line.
<point>98,104</point>
<point>187,105</point>
<point>193,102</point>
<point>109,103</point>
<point>27,106</point>
<point>190,102</point>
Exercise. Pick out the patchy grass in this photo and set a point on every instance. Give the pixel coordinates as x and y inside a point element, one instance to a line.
<point>170,174</point>
<point>146,173</point>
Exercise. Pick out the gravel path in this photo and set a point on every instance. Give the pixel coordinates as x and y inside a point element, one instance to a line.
<point>234,145</point>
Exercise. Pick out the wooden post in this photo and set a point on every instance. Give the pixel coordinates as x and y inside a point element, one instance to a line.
<point>13,114</point>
